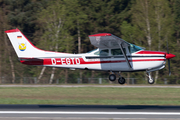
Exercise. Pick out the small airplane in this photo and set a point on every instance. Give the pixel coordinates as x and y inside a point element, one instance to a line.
<point>113,54</point>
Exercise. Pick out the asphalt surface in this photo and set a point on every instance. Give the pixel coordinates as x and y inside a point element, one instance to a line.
<point>88,112</point>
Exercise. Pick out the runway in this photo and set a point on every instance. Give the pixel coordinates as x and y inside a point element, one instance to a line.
<point>88,112</point>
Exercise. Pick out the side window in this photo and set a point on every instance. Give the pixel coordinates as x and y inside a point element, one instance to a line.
<point>117,51</point>
<point>97,53</point>
<point>104,52</point>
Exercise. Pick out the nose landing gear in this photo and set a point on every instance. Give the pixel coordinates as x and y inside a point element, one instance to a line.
<point>150,79</point>
<point>121,80</point>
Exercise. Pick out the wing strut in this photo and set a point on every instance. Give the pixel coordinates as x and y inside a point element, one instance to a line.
<point>127,61</point>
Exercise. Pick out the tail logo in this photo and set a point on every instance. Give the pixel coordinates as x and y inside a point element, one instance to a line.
<point>22,47</point>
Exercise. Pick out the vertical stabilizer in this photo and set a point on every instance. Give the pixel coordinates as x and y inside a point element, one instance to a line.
<point>23,47</point>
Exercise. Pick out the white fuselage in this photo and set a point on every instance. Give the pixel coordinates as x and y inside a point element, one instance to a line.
<point>139,61</point>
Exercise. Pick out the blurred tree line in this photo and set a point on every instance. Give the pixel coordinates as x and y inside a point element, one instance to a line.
<point>64,26</point>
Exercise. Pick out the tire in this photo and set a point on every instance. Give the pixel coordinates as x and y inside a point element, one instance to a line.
<point>112,77</point>
<point>151,81</point>
<point>121,80</point>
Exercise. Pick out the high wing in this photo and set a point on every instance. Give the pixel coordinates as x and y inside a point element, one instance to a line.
<point>107,40</point>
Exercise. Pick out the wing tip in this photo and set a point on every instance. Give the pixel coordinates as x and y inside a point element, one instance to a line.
<point>100,34</point>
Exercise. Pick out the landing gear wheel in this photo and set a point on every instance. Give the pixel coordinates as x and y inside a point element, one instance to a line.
<point>121,80</point>
<point>151,81</point>
<point>112,77</point>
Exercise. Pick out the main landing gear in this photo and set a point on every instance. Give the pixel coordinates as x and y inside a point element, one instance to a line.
<point>112,77</point>
<point>121,79</point>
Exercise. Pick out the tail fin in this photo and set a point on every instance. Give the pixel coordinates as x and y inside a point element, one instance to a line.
<point>23,47</point>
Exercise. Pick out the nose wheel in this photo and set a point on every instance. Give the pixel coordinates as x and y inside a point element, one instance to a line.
<point>121,80</point>
<point>150,79</point>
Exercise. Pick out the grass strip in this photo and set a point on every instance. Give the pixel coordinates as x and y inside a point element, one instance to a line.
<point>90,96</point>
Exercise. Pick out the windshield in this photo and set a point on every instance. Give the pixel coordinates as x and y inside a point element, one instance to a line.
<point>134,48</point>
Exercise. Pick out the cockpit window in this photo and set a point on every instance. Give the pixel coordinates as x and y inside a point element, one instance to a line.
<point>134,48</point>
<point>117,51</point>
<point>102,52</point>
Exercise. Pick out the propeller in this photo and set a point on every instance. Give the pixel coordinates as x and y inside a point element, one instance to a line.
<point>169,67</point>
<point>169,56</point>
<point>168,59</point>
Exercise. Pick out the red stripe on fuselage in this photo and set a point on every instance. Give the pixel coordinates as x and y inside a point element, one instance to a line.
<point>151,52</point>
<point>75,61</point>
